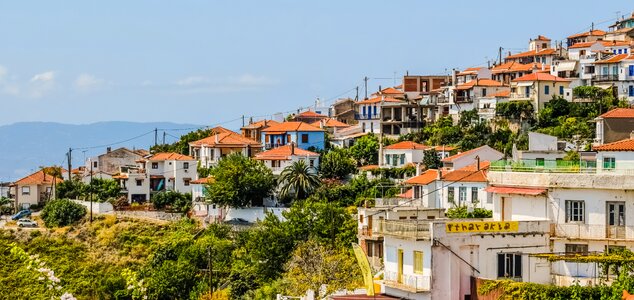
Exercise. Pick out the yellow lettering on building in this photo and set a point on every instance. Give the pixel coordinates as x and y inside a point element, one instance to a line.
<point>482,226</point>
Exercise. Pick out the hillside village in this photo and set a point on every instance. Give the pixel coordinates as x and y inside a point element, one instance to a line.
<point>520,171</point>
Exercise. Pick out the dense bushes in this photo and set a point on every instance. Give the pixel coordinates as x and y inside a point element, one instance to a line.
<point>62,212</point>
<point>175,200</point>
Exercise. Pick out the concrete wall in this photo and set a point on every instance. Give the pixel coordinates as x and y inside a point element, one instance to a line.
<point>155,215</point>
<point>97,207</point>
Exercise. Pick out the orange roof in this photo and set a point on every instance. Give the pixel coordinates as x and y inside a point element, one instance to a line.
<point>219,129</point>
<point>390,91</point>
<point>38,177</point>
<point>624,145</point>
<point>283,153</point>
<point>407,145</point>
<point>444,148</point>
<point>515,190</point>
<point>407,195</point>
<point>604,43</point>
<point>542,38</point>
<point>469,71</point>
<point>291,126</point>
<point>330,122</point>
<point>595,32</point>
<point>378,100</point>
<point>369,167</point>
<point>169,156</point>
<point>549,51</point>
<point>615,59</point>
<point>501,94</point>
<point>427,177</point>
<point>619,113</point>
<point>226,139</point>
<point>483,165</point>
<point>261,123</point>
<point>478,82</point>
<point>513,66</point>
<point>461,154</point>
<point>309,114</point>
<point>540,77</point>
<point>465,176</point>
<point>209,179</point>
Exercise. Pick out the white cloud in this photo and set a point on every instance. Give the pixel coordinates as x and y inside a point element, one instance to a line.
<point>87,82</point>
<point>193,80</point>
<point>3,72</point>
<point>201,84</point>
<point>252,80</point>
<point>41,84</point>
<point>48,76</point>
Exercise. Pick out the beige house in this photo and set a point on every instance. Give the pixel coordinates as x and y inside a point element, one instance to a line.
<point>539,88</point>
<point>34,189</point>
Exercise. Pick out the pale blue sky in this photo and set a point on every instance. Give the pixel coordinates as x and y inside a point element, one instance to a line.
<point>204,62</point>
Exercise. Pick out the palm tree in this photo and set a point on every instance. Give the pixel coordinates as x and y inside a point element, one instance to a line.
<point>55,172</point>
<point>298,178</point>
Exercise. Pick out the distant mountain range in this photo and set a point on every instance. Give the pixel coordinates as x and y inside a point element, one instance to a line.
<point>24,147</point>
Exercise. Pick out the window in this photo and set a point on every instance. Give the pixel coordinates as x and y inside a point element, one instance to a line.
<point>154,165</point>
<point>49,190</point>
<point>312,163</point>
<point>395,159</point>
<point>371,127</point>
<point>402,159</point>
<point>625,50</point>
<point>450,194</point>
<point>360,219</point>
<point>631,91</point>
<point>609,163</point>
<point>561,90</point>
<point>616,213</point>
<point>304,138</point>
<point>546,89</point>
<point>539,162</point>
<point>527,91</point>
<point>26,190</point>
<point>484,92</point>
<point>95,164</point>
<point>418,262</point>
<point>630,70</point>
<point>375,110</point>
<point>186,181</point>
<point>510,265</point>
<point>139,182</point>
<point>185,165</point>
<point>266,138</point>
<point>363,110</point>
<point>576,249</point>
<point>387,159</point>
<point>620,51</point>
<point>575,211</point>
<point>462,194</point>
<point>474,194</point>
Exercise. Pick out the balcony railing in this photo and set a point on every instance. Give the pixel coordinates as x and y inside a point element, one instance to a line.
<point>269,146</point>
<point>382,202</point>
<point>409,282</point>
<point>359,116</point>
<point>586,231</point>
<point>463,99</point>
<point>414,229</point>
<point>609,77</point>
<point>412,124</point>
<point>544,166</point>
<point>487,111</point>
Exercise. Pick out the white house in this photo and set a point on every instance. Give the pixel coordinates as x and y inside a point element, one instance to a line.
<point>467,158</point>
<point>614,125</point>
<point>540,88</point>
<point>403,153</point>
<point>543,147</point>
<point>210,150</point>
<point>279,158</point>
<point>171,171</point>
<point>369,113</point>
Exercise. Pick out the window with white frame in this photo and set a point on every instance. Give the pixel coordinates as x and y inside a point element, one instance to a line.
<point>26,190</point>
<point>510,265</point>
<point>462,194</point>
<point>576,249</point>
<point>450,194</point>
<point>474,194</point>
<point>609,163</point>
<point>575,211</point>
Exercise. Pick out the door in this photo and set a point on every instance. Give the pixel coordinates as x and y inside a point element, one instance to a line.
<point>616,220</point>
<point>370,228</point>
<point>399,275</point>
<point>506,208</point>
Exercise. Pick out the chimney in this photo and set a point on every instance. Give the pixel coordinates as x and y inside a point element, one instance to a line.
<point>477,162</point>
<point>292,148</point>
<point>264,122</point>
<point>454,77</point>
<point>108,149</point>
<point>417,169</point>
<point>632,134</point>
<point>216,138</point>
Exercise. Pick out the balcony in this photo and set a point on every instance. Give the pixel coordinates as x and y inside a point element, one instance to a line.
<point>412,124</point>
<point>608,77</point>
<point>269,146</point>
<point>386,202</point>
<point>407,282</point>
<point>414,229</point>
<point>463,99</point>
<point>544,166</point>
<point>591,232</point>
<point>359,116</point>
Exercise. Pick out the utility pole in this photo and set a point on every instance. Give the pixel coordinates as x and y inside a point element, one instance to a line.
<point>90,194</point>
<point>500,56</point>
<point>356,98</point>
<point>155,137</point>
<point>365,83</point>
<point>210,266</point>
<point>242,120</point>
<point>164,137</point>
<point>70,162</point>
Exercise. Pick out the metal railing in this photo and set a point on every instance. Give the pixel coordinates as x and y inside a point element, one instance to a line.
<point>544,166</point>
<point>410,282</point>
<point>586,231</point>
<point>414,229</point>
<point>382,202</point>
<point>359,116</point>
<point>608,77</point>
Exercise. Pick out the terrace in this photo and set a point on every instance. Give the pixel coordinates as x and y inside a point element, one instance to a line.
<point>544,166</point>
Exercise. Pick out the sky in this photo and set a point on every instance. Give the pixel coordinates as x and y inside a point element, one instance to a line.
<point>210,62</point>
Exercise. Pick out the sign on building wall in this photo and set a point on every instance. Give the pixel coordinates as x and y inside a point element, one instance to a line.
<point>481,226</point>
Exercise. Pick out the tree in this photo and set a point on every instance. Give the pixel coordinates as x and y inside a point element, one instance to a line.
<point>181,202</point>
<point>239,182</point>
<point>431,160</point>
<point>71,189</point>
<point>366,150</point>
<point>62,212</point>
<point>461,212</point>
<point>104,189</point>
<point>182,145</point>
<point>55,172</point>
<point>337,164</point>
<point>298,180</point>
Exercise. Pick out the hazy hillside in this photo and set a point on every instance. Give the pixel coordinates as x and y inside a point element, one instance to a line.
<point>25,147</point>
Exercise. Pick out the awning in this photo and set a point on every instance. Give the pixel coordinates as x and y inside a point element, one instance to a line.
<point>157,177</point>
<point>525,83</point>
<point>566,66</point>
<point>515,190</point>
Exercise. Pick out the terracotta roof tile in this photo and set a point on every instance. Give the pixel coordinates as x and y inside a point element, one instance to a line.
<point>292,126</point>
<point>427,177</point>
<point>542,38</point>
<point>469,71</point>
<point>479,82</point>
<point>38,177</point>
<point>283,153</point>
<point>163,156</point>
<point>513,66</point>
<point>515,190</point>
<point>226,139</point>
<point>310,114</point>
<point>330,122</point>
<point>209,179</point>
<point>369,167</point>
<point>407,145</point>
<point>549,51</point>
<point>461,154</point>
<point>390,91</point>
<point>378,100</point>
<point>540,77</point>
<point>595,32</point>
<point>260,124</point>
<point>615,59</point>
<point>501,94</point>
<point>407,195</point>
<point>619,113</point>
<point>624,145</point>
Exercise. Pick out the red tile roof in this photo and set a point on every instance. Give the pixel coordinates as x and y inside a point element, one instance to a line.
<point>619,113</point>
<point>542,38</point>
<point>515,190</point>
<point>163,156</point>
<point>461,154</point>
<point>465,176</point>
<point>209,179</point>
<point>595,32</point>
<point>226,139</point>
<point>540,77</point>
<point>260,124</point>
<point>444,148</point>
<point>615,59</point>
<point>407,195</point>
<point>549,51</point>
<point>623,145</point>
<point>427,177</point>
<point>309,114</point>
<point>39,177</point>
<point>501,94</point>
<point>378,100</point>
<point>390,91</point>
<point>292,126</point>
<point>369,167</point>
<point>283,153</point>
<point>220,129</point>
<point>330,122</point>
<point>470,71</point>
<point>604,43</point>
<point>407,145</point>
<point>513,66</point>
<point>479,82</point>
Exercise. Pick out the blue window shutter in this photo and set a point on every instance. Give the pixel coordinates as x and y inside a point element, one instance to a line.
<point>620,51</point>
<point>631,91</point>
<point>561,90</point>
<point>363,110</point>
<point>528,91</point>
<point>375,110</point>
<point>631,69</point>
<point>546,89</point>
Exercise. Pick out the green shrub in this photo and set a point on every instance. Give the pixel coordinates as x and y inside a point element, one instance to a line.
<point>62,212</point>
